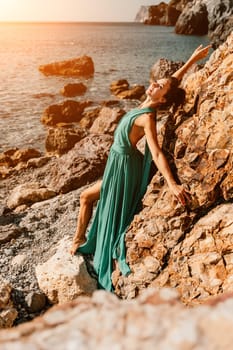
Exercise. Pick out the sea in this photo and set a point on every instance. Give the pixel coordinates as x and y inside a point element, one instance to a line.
<point>119,51</point>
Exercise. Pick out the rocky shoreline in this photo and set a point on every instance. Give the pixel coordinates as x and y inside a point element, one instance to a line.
<point>194,17</point>
<point>186,249</point>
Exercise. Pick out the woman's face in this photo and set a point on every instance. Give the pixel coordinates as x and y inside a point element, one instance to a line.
<point>158,89</point>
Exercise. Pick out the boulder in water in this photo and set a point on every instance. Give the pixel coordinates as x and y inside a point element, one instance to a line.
<point>77,67</point>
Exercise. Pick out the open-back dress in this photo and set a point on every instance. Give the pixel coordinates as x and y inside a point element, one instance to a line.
<point>124,184</point>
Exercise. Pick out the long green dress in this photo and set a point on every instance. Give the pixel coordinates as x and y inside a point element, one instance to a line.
<point>124,183</point>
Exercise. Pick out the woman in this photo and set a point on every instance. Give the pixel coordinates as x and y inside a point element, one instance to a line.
<point>125,180</point>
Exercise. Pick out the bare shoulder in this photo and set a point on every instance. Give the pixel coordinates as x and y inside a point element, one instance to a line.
<point>145,119</point>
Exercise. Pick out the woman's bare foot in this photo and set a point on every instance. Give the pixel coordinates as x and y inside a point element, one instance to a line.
<point>76,244</point>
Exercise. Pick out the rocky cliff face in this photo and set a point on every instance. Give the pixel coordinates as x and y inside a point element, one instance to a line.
<point>190,248</point>
<point>220,20</point>
<point>162,14</point>
<point>196,17</point>
<point>193,19</point>
<point>213,17</point>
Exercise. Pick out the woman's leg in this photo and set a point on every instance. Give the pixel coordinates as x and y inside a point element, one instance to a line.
<point>87,199</point>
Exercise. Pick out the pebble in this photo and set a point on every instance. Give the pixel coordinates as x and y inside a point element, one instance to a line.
<point>35,301</point>
<point>9,252</point>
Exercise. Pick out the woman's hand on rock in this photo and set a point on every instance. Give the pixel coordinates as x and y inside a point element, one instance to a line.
<point>180,193</point>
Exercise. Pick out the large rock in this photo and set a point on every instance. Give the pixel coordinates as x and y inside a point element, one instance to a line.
<point>161,14</point>
<point>64,277</point>
<point>193,20</point>
<point>107,120</point>
<point>83,164</point>
<point>201,145</point>
<point>156,320</point>
<point>15,160</point>
<point>123,90</point>
<point>75,89</point>
<point>77,67</point>
<point>61,139</point>
<point>8,313</point>
<point>220,13</point>
<point>164,68</point>
<point>28,194</point>
<point>118,86</point>
<point>14,156</point>
<point>65,112</point>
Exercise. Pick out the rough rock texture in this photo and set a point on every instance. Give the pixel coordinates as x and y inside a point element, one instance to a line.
<point>83,164</point>
<point>135,92</point>
<point>89,117</point>
<point>157,14</point>
<point>75,89</point>
<point>162,14</point>
<point>14,156</point>
<point>179,4</point>
<point>220,14</point>
<point>164,68</point>
<point>209,16</point>
<point>156,320</point>
<point>173,14</point>
<point>202,264</point>
<point>122,90</point>
<point>15,159</point>
<point>27,194</point>
<point>200,141</point>
<point>64,277</point>
<point>221,32</point>
<point>193,20</point>
<point>107,120</point>
<point>77,67</point>
<point>7,312</point>
<point>118,86</point>
<point>61,139</point>
<point>65,112</point>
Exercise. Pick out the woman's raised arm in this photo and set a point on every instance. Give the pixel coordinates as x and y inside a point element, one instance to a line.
<point>198,54</point>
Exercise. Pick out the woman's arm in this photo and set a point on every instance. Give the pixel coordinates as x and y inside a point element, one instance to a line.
<point>197,55</point>
<point>161,161</point>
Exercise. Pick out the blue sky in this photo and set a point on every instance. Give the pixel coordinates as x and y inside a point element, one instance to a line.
<point>71,10</point>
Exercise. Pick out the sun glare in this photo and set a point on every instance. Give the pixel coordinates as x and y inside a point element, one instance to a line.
<point>8,9</point>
